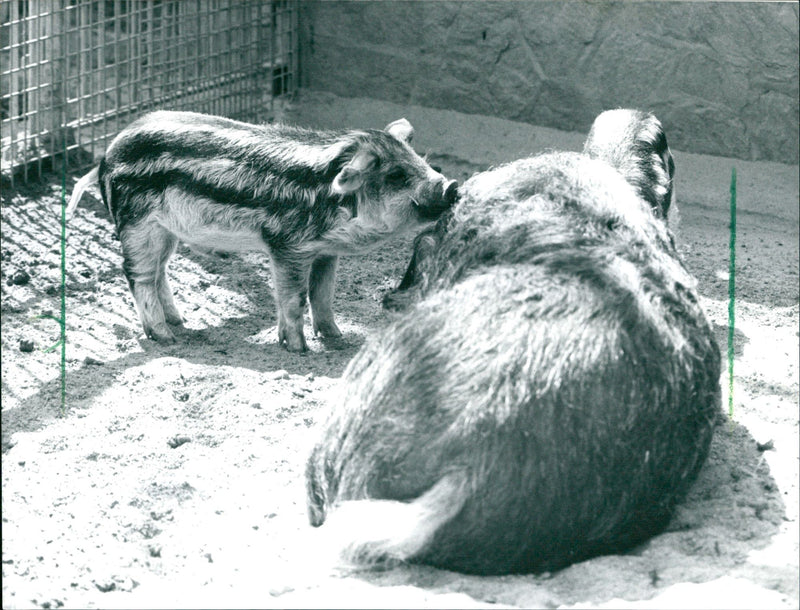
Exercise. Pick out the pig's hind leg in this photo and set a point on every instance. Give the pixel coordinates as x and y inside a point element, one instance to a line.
<point>146,248</point>
<point>321,282</point>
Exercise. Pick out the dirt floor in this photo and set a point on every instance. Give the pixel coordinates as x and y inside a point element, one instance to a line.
<point>174,478</point>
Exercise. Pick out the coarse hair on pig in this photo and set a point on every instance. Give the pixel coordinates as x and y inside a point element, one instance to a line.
<point>632,141</point>
<point>548,395</point>
<point>304,196</point>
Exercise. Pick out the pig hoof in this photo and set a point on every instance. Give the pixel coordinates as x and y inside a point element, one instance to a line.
<point>328,330</point>
<point>293,343</point>
<point>161,333</point>
<point>297,348</point>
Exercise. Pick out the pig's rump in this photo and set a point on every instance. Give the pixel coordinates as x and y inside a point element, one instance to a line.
<point>568,417</point>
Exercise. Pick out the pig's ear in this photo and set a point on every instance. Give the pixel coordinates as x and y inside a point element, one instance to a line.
<point>354,173</point>
<point>400,129</point>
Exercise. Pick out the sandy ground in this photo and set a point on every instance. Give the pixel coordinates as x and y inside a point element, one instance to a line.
<point>174,478</point>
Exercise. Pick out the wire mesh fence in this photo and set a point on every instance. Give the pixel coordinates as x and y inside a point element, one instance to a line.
<point>75,72</point>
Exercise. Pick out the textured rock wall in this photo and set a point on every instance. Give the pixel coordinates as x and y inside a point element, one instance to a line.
<point>723,77</point>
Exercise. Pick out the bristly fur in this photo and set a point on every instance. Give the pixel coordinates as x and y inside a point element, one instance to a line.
<point>553,358</point>
<point>300,194</point>
<point>275,169</point>
<point>631,141</point>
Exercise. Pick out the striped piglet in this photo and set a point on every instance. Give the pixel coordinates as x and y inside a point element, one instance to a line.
<point>303,196</point>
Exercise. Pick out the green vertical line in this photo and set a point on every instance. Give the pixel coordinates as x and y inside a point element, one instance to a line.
<point>731,290</point>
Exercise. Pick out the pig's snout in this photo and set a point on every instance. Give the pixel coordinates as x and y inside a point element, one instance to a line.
<point>443,197</point>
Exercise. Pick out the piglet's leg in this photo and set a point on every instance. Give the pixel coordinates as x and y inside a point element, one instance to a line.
<point>320,295</point>
<point>290,277</point>
<point>171,313</point>
<point>146,246</point>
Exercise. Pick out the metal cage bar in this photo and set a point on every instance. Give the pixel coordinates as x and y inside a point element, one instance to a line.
<point>74,72</point>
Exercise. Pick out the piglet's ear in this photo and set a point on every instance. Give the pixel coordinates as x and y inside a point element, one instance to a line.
<point>352,176</point>
<point>401,129</point>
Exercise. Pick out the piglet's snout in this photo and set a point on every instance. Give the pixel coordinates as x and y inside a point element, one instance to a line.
<point>443,196</point>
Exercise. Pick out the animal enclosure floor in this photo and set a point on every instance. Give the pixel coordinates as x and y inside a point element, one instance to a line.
<point>174,478</point>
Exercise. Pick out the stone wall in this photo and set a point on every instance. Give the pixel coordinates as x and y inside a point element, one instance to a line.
<point>722,77</point>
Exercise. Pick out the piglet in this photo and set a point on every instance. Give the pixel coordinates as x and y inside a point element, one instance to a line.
<point>304,196</point>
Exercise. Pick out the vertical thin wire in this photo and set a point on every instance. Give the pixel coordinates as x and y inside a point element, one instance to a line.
<point>35,108</point>
<point>15,79</point>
